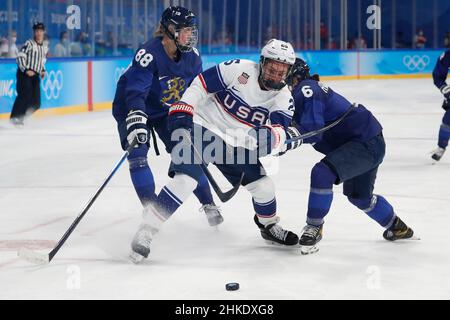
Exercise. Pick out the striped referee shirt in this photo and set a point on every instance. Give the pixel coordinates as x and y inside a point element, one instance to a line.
<point>32,56</point>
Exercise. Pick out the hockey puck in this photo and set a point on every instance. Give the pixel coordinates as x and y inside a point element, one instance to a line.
<point>233,286</point>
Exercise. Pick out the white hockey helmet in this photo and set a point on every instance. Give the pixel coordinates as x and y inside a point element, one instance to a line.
<point>279,51</point>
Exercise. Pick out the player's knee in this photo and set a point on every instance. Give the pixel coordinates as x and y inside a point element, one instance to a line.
<point>363,204</point>
<point>322,176</point>
<point>262,190</point>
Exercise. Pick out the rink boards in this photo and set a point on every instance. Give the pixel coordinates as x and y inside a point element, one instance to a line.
<point>82,85</point>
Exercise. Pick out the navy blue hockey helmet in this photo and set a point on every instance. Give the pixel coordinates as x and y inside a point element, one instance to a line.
<point>38,26</point>
<point>300,71</point>
<point>184,22</point>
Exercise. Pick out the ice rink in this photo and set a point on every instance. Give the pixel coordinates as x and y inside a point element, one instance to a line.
<point>50,168</point>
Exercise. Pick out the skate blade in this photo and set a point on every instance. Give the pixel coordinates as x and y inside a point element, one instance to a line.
<point>215,225</point>
<point>414,238</point>
<point>136,258</point>
<point>306,250</point>
<point>276,244</point>
<point>215,222</point>
<point>434,162</point>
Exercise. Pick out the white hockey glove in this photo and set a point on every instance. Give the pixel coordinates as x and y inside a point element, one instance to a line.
<point>269,139</point>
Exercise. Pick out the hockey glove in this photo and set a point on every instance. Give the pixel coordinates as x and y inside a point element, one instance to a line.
<point>446,105</point>
<point>445,89</point>
<point>137,127</point>
<point>180,116</point>
<point>291,133</point>
<point>269,139</point>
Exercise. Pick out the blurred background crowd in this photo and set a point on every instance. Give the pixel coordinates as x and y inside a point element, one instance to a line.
<point>115,27</point>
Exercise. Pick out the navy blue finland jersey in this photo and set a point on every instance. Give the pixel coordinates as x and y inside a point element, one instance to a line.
<point>317,105</point>
<point>153,81</point>
<point>440,71</point>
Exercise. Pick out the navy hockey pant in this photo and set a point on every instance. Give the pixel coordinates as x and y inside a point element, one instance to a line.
<point>355,164</point>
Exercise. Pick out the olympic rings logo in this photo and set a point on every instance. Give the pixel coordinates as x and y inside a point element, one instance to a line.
<point>416,62</point>
<point>53,84</point>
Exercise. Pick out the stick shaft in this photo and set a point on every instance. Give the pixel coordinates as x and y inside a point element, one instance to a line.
<point>223,196</point>
<point>321,130</point>
<point>90,203</point>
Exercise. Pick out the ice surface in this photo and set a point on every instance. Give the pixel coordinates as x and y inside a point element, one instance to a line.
<point>51,167</point>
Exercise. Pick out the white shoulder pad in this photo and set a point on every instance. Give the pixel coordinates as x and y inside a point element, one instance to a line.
<point>231,69</point>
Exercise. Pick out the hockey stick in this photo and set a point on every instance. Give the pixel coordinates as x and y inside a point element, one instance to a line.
<point>321,130</point>
<point>223,196</point>
<point>39,258</point>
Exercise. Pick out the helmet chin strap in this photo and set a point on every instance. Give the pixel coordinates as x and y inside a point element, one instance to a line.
<point>273,85</point>
<point>168,32</point>
<point>173,37</point>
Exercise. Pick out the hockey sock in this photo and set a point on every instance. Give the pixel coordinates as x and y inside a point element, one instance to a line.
<point>377,208</point>
<point>321,194</point>
<point>266,211</point>
<point>203,191</point>
<point>264,202</point>
<point>141,175</point>
<point>444,132</point>
<point>174,194</point>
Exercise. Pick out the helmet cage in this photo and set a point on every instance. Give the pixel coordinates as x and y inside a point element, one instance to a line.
<point>270,84</point>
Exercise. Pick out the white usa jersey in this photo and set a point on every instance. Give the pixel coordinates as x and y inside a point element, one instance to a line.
<point>227,99</point>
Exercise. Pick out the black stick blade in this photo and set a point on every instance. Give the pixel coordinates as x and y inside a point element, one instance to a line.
<point>225,196</point>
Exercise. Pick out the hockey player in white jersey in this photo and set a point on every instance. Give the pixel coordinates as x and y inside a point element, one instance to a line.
<point>242,109</point>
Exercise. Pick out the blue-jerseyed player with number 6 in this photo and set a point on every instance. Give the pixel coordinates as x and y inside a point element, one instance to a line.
<point>160,72</point>
<point>353,149</point>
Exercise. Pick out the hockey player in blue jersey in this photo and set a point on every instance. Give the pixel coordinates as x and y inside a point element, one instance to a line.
<point>353,150</point>
<point>233,112</point>
<point>440,73</point>
<point>159,74</point>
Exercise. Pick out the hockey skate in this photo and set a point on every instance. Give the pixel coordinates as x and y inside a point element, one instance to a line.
<point>310,238</point>
<point>437,154</point>
<point>140,246</point>
<point>399,230</point>
<point>17,122</point>
<point>275,234</point>
<point>212,214</point>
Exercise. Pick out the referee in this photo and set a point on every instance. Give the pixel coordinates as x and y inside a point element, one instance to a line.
<point>31,66</point>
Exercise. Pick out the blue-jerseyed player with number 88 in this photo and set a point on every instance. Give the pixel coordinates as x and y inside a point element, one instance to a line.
<point>160,72</point>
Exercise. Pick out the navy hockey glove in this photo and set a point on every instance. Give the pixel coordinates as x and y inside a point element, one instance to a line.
<point>445,89</point>
<point>137,127</point>
<point>180,116</point>
<point>291,133</point>
<point>269,138</point>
